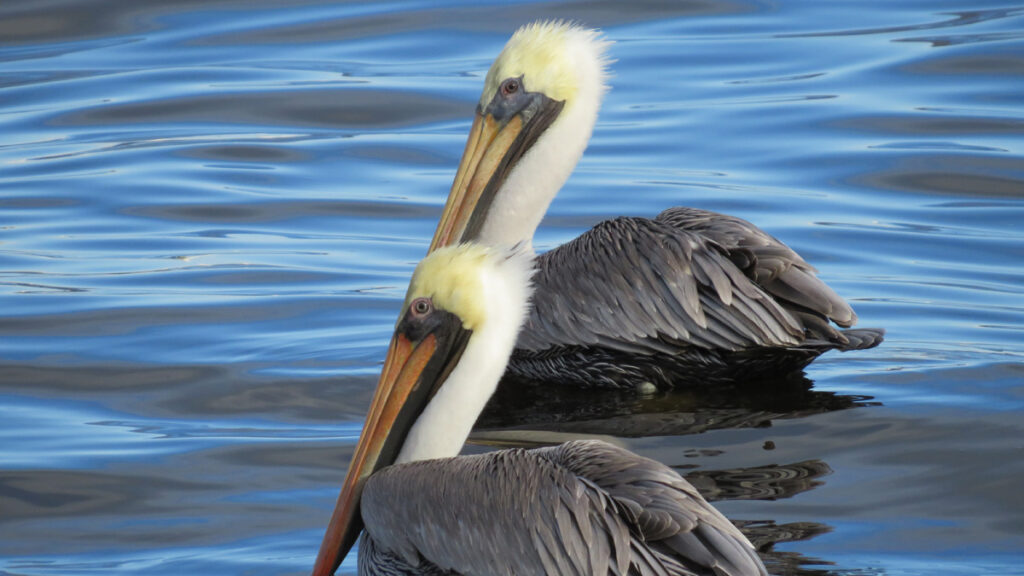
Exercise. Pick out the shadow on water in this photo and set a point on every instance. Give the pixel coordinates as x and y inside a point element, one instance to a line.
<point>522,405</point>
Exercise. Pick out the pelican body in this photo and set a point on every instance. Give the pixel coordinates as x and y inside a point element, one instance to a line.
<point>690,296</point>
<point>584,507</point>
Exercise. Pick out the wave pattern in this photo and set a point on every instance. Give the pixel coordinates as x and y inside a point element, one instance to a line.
<point>209,212</point>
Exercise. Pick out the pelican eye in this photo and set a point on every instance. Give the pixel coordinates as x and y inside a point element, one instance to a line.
<point>510,86</point>
<point>421,306</point>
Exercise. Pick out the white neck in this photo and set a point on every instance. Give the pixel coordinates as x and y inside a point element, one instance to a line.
<point>447,420</point>
<point>522,201</point>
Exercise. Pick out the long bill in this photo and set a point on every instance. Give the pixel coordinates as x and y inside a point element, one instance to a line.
<point>412,372</point>
<point>499,137</point>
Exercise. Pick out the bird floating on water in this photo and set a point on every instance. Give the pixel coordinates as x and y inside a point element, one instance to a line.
<point>689,297</point>
<point>584,507</point>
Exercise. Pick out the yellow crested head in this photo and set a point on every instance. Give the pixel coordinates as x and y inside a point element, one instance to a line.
<point>459,279</point>
<point>550,56</point>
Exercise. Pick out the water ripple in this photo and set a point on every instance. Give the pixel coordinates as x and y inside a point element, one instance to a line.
<point>209,213</point>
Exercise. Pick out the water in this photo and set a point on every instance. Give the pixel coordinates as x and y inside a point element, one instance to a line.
<point>209,212</point>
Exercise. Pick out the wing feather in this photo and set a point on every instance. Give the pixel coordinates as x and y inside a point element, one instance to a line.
<point>769,263</point>
<point>686,278</point>
<point>675,530</point>
<point>585,507</point>
<point>507,512</point>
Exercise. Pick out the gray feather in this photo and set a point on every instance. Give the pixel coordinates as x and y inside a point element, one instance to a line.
<point>687,280</point>
<point>584,507</point>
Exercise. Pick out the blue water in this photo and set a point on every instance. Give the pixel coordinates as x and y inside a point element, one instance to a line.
<point>209,212</point>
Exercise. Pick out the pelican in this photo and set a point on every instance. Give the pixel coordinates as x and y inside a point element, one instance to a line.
<point>688,297</point>
<point>584,507</point>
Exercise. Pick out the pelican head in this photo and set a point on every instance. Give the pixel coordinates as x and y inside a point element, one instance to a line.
<point>538,108</point>
<point>458,326</point>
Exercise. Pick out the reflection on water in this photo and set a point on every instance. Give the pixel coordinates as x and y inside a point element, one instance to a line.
<point>524,405</point>
<point>209,212</point>
<point>761,483</point>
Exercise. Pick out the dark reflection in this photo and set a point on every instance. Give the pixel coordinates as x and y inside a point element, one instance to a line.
<point>246,153</point>
<point>201,498</point>
<point>986,64</point>
<point>525,405</point>
<point>13,202</point>
<point>72,19</point>
<point>281,211</point>
<point>937,123</point>
<point>764,535</point>
<point>950,175</point>
<point>218,393</point>
<point>34,494</point>
<point>770,482</point>
<point>322,109</point>
<point>61,380</point>
<point>957,39</point>
<point>13,80</point>
<point>22,24</point>
<point>971,17</point>
<point>493,17</point>
<point>123,321</point>
<point>952,20</point>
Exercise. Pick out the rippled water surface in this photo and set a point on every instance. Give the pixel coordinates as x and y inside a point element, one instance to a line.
<point>209,212</point>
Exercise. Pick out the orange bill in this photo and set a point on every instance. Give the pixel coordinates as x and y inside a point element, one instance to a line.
<point>503,131</point>
<point>488,146</point>
<point>377,447</point>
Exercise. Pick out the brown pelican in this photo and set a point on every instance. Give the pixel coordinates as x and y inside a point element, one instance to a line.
<point>584,507</point>
<point>688,297</point>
